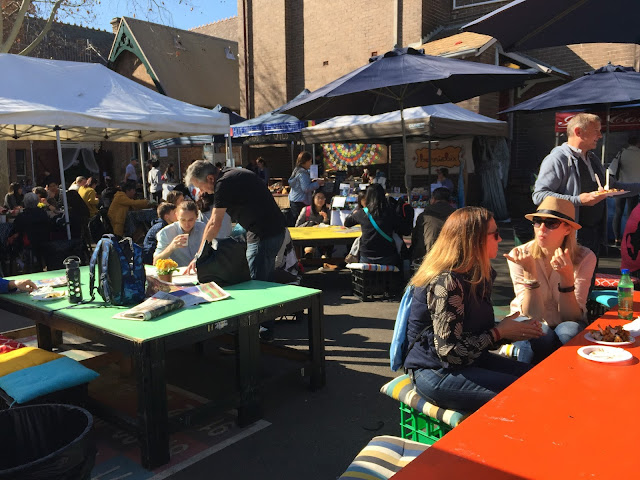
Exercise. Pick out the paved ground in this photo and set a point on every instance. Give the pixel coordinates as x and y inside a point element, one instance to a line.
<point>315,435</point>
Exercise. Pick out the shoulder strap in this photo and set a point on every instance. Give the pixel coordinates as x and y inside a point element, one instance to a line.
<point>308,214</point>
<point>375,225</point>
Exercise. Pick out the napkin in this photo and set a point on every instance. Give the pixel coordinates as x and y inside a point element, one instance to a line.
<point>633,328</point>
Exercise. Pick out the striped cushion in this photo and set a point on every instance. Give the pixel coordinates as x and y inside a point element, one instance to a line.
<point>609,280</point>
<point>8,344</point>
<point>383,457</point>
<point>402,389</point>
<point>373,267</point>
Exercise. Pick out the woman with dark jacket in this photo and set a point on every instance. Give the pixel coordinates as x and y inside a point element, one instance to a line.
<point>451,328</point>
<point>379,222</point>
<point>14,198</point>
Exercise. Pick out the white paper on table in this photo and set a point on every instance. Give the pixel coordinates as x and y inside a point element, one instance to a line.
<point>338,202</point>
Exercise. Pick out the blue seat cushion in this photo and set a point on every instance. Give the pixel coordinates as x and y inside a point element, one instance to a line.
<point>607,298</point>
<point>32,382</point>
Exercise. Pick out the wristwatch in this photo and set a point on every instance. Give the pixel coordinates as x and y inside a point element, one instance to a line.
<point>566,289</point>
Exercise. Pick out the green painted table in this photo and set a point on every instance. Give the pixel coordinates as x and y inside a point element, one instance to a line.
<point>251,303</point>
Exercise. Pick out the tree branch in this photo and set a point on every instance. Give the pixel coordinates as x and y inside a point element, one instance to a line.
<point>24,8</point>
<point>44,31</point>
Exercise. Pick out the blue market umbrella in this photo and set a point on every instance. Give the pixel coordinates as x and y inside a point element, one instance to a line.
<point>527,24</point>
<point>404,78</point>
<point>605,87</point>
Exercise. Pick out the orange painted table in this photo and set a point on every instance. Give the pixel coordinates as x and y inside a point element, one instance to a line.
<point>566,418</point>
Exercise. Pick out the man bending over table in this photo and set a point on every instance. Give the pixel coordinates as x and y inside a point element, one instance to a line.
<point>247,200</point>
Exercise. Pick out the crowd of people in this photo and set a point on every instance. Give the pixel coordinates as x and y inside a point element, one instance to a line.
<point>454,356</point>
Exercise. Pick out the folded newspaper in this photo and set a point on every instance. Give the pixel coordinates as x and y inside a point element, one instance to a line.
<point>164,302</point>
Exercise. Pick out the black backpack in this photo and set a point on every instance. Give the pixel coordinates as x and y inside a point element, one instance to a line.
<point>404,211</point>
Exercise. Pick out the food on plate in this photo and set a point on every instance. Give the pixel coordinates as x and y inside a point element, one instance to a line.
<point>54,295</point>
<point>611,334</point>
<point>602,354</point>
<point>605,192</point>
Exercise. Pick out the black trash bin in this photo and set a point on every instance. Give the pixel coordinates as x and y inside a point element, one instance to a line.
<point>41,442</point>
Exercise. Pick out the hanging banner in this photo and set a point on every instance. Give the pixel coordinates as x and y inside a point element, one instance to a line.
<point>339,156</point>
<point>620,119</point>
<point>444,153</point>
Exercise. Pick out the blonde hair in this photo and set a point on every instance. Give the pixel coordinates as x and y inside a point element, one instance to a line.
<point>461,247</point>
<point>582,121</point>
<point>569,242</point>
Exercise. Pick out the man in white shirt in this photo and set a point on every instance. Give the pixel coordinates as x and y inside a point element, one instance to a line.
<point>155,183</point>
<point>626,169</point>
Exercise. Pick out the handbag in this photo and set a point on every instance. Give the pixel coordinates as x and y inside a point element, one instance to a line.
<point>224,262</point>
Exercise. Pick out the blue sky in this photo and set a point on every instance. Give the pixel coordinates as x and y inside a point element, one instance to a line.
<point>185,14</point>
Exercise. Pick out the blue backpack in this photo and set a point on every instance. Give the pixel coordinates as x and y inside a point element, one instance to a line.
<point>121,276</point>
<point>398,351</point>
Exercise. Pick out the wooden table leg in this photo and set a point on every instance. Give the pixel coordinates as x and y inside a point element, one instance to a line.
<point>153,421</point>
<point>45,336</point>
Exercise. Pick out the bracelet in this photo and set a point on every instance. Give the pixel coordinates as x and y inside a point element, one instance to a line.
<point>566,289</point>
<point>530,284</point>
<point>496,334</point>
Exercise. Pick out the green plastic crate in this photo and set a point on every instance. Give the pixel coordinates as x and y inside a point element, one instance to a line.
<point>417,426</point>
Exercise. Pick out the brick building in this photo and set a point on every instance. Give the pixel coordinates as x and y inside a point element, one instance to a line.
<point>292,44</point>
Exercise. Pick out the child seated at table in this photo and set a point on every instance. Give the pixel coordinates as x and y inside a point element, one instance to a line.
<point>551,277</point>
<point>315,214</point>
<point>181,240</point>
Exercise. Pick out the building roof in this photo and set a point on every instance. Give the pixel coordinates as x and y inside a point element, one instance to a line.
<point>192,67</point>
<point>459,44</point>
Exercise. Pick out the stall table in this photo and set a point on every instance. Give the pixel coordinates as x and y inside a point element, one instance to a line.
<point>251,303</point>
<point>568,417</point>
<point>318,236</point>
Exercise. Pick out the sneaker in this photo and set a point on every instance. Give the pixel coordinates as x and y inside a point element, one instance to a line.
<point>351,259</point>
<point>266,335</point>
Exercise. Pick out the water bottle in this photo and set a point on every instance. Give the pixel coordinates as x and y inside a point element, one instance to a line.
<point>72,265</point>
<point>625,296</point>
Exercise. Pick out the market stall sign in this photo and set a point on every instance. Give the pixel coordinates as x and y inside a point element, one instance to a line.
<point>620,119</point>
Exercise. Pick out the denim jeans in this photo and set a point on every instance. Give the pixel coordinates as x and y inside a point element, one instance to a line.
<point>467,389</point>
<point>261,256</point>
<point>537,349</point>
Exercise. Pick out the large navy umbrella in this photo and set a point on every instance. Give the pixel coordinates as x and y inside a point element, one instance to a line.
<point>603,88</point>
<point>527,24</point>
<point>404,78</point>
<point>606,86</point>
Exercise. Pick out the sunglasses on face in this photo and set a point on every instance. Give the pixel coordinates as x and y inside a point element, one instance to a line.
<point>550,223</point>
<point>495,233</point>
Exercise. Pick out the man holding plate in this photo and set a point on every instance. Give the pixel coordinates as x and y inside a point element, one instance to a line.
<point>573,172</point>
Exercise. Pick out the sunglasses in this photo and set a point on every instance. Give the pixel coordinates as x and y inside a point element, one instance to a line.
<point>495,233</point>
<point>550,223</point>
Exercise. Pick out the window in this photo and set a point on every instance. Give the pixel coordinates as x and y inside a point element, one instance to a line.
<point>473,3</point>
<point>21,163</point>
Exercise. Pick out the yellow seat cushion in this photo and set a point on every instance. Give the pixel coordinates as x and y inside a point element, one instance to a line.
<point>24,358</point>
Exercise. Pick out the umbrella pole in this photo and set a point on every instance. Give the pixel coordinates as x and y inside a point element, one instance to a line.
<point>33,171</point>
<point>606,136</point>
<point>144,174</point>
<point>64,184</point>
<point>179,166</point>
<point>404,148</point>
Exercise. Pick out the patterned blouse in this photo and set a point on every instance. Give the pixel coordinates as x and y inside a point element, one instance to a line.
<point>457,324</point>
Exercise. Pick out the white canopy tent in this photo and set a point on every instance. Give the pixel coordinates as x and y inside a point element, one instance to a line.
<point>436,121</point>
<point>44,99</point>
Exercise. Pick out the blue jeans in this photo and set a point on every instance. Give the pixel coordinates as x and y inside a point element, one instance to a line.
<point>468,388</point>
<point>537,349</point>
<point>261,256</point>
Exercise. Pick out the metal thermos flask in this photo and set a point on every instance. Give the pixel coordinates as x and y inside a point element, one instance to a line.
<point>72,265</point>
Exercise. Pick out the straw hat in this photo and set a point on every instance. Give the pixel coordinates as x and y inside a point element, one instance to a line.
<point>554,207</point>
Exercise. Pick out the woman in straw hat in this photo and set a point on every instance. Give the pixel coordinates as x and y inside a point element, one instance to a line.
<point>451,327</point>
<point>551,278</point>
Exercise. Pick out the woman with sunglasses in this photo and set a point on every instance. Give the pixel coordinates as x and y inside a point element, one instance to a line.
<point>551,278</point>
<point>451,327</point>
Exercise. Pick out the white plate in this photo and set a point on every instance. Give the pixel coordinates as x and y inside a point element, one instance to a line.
<point>184,279</point>
<point>47,297</point>
<point>589,337</point>
<point>604,354</point>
